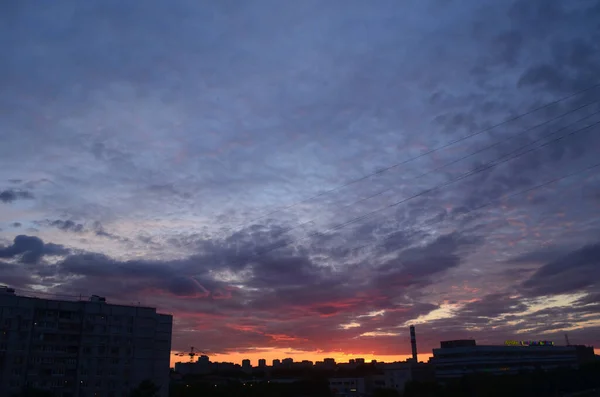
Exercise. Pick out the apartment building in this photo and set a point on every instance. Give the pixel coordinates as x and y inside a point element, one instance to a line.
<point>81,348</point>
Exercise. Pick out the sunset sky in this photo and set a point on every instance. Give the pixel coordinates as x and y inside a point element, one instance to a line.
<point>308,178</point>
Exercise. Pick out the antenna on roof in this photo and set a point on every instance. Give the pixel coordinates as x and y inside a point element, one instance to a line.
<point>567,339</point>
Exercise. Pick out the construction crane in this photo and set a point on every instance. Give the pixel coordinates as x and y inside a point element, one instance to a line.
<point>567,340</point>
<point>192,353</point>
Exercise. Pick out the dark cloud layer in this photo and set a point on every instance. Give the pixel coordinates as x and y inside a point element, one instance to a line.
<point>30,249</point>
<point>171,148</point>
<point>10,195</point>
<point>574,272</point>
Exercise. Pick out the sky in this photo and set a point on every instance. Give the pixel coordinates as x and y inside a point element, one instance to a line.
<point>307,179</point>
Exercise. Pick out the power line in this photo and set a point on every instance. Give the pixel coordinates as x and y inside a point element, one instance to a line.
<point>444,146</point>
<point>451,143</point>
<point>504,197</point>
<point>463,158</point>
<point>485,167</point>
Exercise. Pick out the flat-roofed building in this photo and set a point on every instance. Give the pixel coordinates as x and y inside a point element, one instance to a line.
<point>458,358</point>
<point>81,348</point>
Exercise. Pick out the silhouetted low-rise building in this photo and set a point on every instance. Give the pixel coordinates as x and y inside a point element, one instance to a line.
<point>458,358</point>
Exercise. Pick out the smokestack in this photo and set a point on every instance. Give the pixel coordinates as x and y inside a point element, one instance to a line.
<point>413,343</point>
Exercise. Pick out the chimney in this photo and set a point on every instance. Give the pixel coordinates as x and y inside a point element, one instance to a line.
<point>413,343</point>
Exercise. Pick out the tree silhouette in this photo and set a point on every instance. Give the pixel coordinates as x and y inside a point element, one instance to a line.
<point>145,389</point>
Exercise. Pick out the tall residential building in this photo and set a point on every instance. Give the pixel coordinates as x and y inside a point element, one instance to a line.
<point>246,365</point>
<point>262,363</point>
<point>81,348</point>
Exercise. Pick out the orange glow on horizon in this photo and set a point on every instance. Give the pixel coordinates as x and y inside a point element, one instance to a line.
<point>315,356</point>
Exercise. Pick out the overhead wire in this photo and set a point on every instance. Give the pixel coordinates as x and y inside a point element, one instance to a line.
<point>392,235</point>
<point>488,203</point>
<point>477,170</point>
<point>436,149</point>
<point>430,151</point>
<point>444,166</point>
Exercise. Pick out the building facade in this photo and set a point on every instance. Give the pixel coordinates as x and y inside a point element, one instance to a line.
<point>458,358</point>
<point>342,387</point>
<point>81,348</point>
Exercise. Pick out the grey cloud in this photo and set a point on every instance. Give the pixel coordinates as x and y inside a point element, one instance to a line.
<point>548,254</point>
<point>549,77</point>
<point>510,45</point>
<point>16,224</point>
<point>418,266</point>
<point>67,226</point>
<point>14,275</point>
<point>168,189</point>
<point>572,272</point>
<point>492,306</point>
<point>593,298</point>
<point>146,118</point>
<point>100,231</point>
<point>31,249</point>
<point>10,195</point>
<point>131,278</point>
<point>186,286</point>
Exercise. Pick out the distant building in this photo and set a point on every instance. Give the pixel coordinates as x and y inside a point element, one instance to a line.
<point>348,386</point>
<point>203,359</point>
<point>585,354</point>
<point>458,358</point>
<point>262,363</point>
<point>276,363</point>
<point>246,365</point>
<point>396,375</point>
<point>201,367</point>
<point>306,364</point>
<point>83,348</point>
<point>225,366</point>
<point>329,363</point>
<point>287,362</point>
